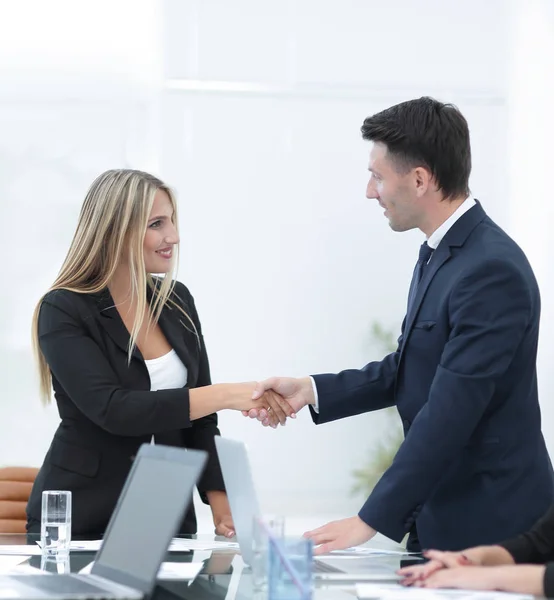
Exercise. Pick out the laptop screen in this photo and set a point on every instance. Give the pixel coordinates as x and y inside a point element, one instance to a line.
<point>149,511</point>
<point>235,466</point>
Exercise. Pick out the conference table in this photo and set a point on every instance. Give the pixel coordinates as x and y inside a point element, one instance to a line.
<point>223,576</point>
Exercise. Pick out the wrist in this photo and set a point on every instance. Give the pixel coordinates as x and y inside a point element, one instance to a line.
<point>489,556</point>
<point>306,383</point>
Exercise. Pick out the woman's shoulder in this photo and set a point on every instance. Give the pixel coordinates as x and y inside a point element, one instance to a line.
<point>73,303</point>
<point>181,291</point>
<point>62,298</point>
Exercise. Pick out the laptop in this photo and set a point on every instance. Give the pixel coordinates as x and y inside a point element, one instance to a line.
<point>148,514</point>
<point>243,500</point>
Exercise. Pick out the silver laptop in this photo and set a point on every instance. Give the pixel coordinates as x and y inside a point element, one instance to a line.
<point>148,514</point>
<point>243,500</point>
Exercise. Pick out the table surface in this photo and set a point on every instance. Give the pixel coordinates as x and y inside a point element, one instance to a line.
<point>224,575</point>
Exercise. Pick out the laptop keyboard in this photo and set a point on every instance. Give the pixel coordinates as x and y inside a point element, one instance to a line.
<point>62,584</point>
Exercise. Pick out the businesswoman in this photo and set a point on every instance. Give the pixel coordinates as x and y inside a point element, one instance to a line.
<point>124,353</point>
<point>523,564</point>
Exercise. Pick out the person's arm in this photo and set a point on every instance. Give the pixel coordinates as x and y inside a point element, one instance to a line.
<point>85,374</point>
<point>355,391</point>
<point>490,309</point>
<point>536,545</point>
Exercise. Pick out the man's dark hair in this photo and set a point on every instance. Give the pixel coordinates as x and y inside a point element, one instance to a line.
<point>426,133</point>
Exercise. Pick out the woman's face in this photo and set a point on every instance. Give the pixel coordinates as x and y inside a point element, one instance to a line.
<point>161,235</point>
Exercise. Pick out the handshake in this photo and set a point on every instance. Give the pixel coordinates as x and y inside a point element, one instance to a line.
<point>274,400</point>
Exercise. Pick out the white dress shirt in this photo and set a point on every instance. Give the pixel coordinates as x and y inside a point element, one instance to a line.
<point>432,241</point>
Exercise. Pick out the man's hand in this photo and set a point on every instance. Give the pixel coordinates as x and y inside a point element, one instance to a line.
<point>296,393</point>
<point>339,535</point>
<point>246,397</point>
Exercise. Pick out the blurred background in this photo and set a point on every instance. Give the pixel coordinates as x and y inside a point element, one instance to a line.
<point>251,110</point>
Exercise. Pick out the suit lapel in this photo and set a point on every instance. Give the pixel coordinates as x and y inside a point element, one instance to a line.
<point>455,237</point>
<point>439,257</point>
<point>171,324</point>
<point>112,322</point>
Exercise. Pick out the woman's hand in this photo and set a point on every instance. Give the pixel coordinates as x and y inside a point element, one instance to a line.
<point>221,512</point>
<point>437,560</point>
<point>271,402</point>
<point>522,579</point>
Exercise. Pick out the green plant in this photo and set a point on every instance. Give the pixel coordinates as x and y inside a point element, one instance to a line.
<point>381,457</point>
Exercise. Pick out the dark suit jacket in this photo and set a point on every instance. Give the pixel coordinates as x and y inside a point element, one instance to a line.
<point>107,409</point>
<point>473,468</point>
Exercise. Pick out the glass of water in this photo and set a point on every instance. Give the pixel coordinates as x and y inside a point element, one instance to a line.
<point>290,569</point>
<point>55,523</point>
<point>262,528</point>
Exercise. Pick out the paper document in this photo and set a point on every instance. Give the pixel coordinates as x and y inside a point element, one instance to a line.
<point>181,544</point>
<point>177,545</point>
<point>368,551</point>
<point>169,570</point>
<point>8,563</point>
<point>397,592</point>
<point>22,550</point>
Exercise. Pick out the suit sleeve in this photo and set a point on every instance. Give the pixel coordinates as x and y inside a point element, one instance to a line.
<point>201,435</point>
<point>81,368</point>
<point>537,544</point>
<point>489,310</point>
<point>357,391</point>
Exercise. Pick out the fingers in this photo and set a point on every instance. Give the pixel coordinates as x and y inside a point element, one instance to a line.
<point>450,560</point>
<point>223,529</point>
<point>280,409</point>
<point>326,540</point>
<point>263,386</point>
<point>419,572</point>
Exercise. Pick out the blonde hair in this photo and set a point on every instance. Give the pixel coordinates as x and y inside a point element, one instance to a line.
<point>112,223</point>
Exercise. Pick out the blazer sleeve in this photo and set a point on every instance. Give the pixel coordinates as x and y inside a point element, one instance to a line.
<point>357,391</point>
<point>201,435</point>
<point>83,371</point>
<point>490,309</point>
<point>537,544</point>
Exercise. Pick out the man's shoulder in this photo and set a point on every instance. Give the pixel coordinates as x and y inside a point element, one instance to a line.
<point>489,241</point>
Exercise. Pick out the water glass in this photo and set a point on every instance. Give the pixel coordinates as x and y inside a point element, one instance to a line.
<point>262,527</point>
<point>55,523</point>
<point>55,563</point>
<point>290,574</point>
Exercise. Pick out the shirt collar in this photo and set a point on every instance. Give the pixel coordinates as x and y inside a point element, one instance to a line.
<point>436,237</point>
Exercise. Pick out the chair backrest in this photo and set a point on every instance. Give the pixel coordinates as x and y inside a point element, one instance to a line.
<point>15,488</point>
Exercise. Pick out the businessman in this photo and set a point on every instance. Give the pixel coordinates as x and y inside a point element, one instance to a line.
<point>473,468</point>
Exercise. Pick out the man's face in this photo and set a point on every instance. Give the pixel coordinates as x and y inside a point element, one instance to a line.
<point>395,191</point>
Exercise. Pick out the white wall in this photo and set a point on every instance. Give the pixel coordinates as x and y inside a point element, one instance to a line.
<point>531,130</point>
<point>289,262</point>
<point>252,111</point>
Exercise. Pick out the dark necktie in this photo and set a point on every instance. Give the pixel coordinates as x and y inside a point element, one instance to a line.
<point>425,253</point>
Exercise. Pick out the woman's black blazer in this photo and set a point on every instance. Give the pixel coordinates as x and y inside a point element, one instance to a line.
<point>107,409</point>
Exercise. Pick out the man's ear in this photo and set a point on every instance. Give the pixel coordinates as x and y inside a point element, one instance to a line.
<point>423,180</point>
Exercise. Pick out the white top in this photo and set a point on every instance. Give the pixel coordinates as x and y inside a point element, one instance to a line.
<point>166,372</point>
